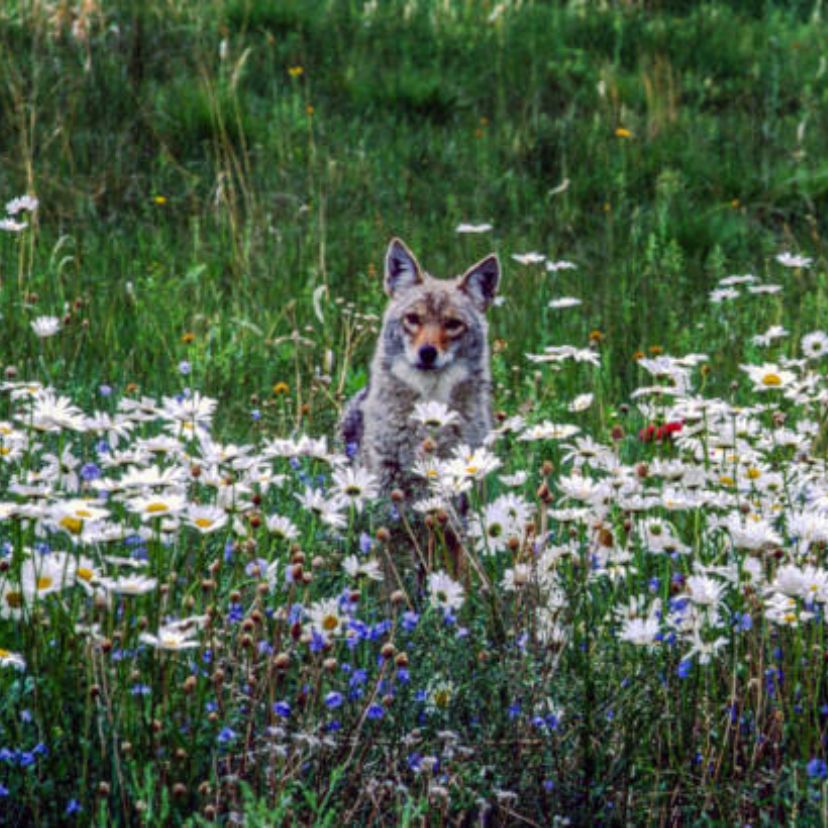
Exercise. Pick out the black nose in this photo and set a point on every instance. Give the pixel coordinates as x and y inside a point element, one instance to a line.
<point>428,355</point>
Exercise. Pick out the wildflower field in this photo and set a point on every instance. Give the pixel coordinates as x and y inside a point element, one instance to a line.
<point>209,615</point>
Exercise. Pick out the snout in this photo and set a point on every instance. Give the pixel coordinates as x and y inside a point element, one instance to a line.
<point>427,357</point>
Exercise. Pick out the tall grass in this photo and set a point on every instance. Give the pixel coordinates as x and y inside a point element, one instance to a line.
<point>218,182</point>
<point>173,150</point>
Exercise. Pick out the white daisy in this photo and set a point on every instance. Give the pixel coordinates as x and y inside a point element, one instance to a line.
<point>444,592</point>
<point>788,259</point>
<point>45,326</point>
<point>564,302</point>
<point>473,228</point>
<point>815,344</point>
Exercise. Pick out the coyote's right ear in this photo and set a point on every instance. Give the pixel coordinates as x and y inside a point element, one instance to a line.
<point>402,270</point>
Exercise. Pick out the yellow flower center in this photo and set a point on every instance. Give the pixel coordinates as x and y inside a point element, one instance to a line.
<point>789,618</point>
<point>203,523</point>
<point>442,697</point>
<point>753,473</point>
<point>771,380</point>
<point>83,513</point>
<point>4,451</point>
<point>14,599</point>
<point>44,582</point>
<point>472,469</point>
<point>155,507</point>
<point>85,572</point>
<point>72,525</point>
<point>726,480</point>
<point>4,653</point>
<point>330,623</point>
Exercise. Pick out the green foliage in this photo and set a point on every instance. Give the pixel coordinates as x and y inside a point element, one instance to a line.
<point>218,182</point>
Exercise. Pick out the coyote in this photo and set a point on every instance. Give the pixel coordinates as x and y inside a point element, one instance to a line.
<point>432,347</point>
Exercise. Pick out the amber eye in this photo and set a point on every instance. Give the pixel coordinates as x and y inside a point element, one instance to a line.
<point>453,326</point>
<point>412,319</point>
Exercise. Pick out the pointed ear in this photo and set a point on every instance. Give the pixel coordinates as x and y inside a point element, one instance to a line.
<point>480,281</point>
<point>402,270</point>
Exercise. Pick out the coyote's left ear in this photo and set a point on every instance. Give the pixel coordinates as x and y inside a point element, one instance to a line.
<point>402,270</point>
<point>480,281</point>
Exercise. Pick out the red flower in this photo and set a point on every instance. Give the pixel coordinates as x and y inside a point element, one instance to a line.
<point>662,433</point>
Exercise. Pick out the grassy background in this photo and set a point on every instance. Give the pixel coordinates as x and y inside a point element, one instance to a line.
<point>205,167</point>
<point>191,182</point>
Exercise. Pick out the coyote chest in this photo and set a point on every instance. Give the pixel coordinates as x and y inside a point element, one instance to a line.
<point>432,348</point>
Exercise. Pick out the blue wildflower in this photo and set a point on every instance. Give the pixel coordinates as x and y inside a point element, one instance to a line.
<point>409,620</point>
<point>282,708</point>
<point>73,807</point>
<point>333,700</point>
<point>227,734</point>
<point>375,711</point>
<point>90,471</point>
<point>817,769</point>
<point>357,678</point>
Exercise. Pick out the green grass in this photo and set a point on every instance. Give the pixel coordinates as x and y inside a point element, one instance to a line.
<point>191,183</point>
<point>423,116</point>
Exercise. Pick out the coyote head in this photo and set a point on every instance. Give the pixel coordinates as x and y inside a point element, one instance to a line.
<point>432,324</point>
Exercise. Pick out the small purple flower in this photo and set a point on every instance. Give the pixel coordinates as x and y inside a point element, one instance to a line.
<point>73,807</point>
<point>333,700</point>
<point>817,769</point>
<point>89,471</point>
<point>226,735</point>
<point>256,415</point>
<point>409,620</point>
<point>282,708</point>
<point>105,390</point>
<point>376,711</point>
<point>184,368</point>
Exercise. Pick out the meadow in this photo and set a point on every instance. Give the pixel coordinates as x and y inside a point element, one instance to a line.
<point>206,616</point>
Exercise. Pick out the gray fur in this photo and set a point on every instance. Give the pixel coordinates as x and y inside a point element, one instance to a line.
<point>379,417</point>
